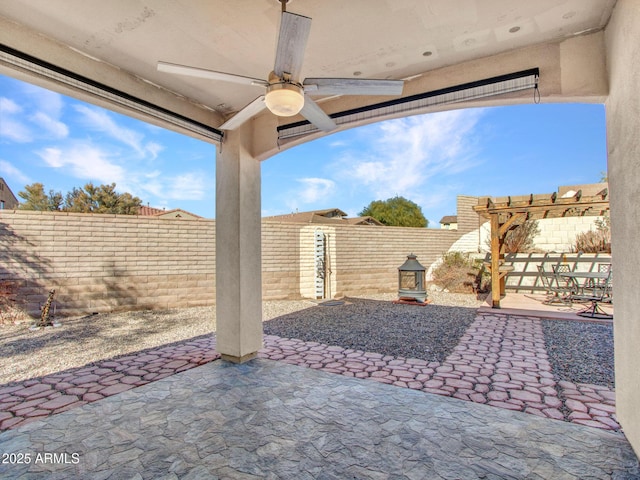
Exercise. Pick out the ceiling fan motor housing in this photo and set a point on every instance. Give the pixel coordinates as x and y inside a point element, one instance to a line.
<point>284,99</point>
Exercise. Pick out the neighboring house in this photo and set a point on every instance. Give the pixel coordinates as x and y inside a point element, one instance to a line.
<point>449,222</point>
<point>331,216</point>
<point>162,213</point>
<point>8,200</point>
<point>177,213</point>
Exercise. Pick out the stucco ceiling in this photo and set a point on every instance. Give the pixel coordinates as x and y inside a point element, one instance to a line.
<point>395,39</point>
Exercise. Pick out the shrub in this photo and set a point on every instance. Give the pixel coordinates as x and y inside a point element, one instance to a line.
<point>10,308</point>
<point>592,242</point>
<point>520,239</point>
<point>595,241</point>
<point>459,273</point>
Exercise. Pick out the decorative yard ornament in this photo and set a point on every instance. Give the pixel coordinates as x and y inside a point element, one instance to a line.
<point>46,317</point>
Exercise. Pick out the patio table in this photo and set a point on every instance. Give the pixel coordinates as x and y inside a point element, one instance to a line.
<point>585,280</point>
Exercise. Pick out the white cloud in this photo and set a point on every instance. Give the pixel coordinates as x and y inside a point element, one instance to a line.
<point>15,118</point>
<point>154,149</point>
<point>311,190</point>
<point>188,186</point>
<point>13,128</point>
<point>84,161</point>
<point>55,127</point>
<point>403,154</point>
<point>15,131</point>
<point>8,106</point>
<point>10,171</point>
<point>101,121</point>
<point>48,102</point>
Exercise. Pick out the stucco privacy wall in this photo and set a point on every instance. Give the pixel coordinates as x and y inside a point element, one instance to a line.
<point>622,37</point>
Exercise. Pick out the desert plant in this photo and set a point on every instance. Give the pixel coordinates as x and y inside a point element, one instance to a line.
<point>459,272</point>
<point>520,239</point>
<point>592,241</point>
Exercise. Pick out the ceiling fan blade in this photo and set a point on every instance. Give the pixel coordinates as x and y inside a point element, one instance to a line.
<point>292,41</point>
<point>245,114</point>
<point>312,112</point>
<point>352,86</point>
<point>209,74</point>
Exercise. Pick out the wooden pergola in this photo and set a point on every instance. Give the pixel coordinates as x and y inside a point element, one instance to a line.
<point>506,213</point>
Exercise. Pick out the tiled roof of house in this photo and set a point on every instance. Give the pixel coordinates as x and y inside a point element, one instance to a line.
<point>160,212</point>
<point>328,216</point>
<point>149,211</point>
<point>176,213</point>
<point>449,219</point>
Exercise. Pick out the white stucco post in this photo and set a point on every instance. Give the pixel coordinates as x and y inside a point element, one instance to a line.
<point>623,123</point>
<point>238,249</point>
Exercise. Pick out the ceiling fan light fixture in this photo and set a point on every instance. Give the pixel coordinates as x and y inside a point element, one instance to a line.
<point>284,99</point>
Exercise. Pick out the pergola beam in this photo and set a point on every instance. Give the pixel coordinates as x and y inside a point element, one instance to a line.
<point>507,213</point>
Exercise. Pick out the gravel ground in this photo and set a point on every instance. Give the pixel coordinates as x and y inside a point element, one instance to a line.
<point>580,352</point>
<point>428,333</point>
<point>81,341</point>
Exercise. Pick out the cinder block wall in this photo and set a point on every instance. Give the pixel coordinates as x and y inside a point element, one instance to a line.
<point>559,234</point>
<point>367,258</point>
<point>281,257</point>
<point>101,263</point>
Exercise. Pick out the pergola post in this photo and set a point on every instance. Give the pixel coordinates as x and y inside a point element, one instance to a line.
<point>495,261</point>
<point>238,249</point>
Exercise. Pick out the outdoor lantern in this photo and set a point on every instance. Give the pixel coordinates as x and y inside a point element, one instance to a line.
<point>411,280</point>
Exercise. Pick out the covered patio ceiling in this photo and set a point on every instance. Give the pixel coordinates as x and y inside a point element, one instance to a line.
<point>119,43</point>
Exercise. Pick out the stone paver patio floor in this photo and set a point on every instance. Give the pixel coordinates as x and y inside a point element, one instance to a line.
<point>500,361</point>
<point>267,419</point>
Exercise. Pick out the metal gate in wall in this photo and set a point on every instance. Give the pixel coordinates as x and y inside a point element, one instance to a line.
<point>320,263</point>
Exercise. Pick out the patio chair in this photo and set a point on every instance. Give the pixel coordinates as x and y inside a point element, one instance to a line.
<point>557,293</point>
<point>598,292</point>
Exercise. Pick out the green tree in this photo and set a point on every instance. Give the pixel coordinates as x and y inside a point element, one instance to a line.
<point>101,199</point>
<point>35,198</point>
<point>397,212</point>
<point>89,199</point>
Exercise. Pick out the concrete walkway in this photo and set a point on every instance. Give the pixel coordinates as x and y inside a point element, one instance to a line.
<point>267,419</point>
<point>500,361</point>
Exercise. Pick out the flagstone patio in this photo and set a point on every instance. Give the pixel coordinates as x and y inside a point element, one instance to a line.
<point>267,419</point>
<point>174,411</point>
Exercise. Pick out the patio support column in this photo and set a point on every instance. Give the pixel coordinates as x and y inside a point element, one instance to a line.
<point>238,248</point>
<point>495,261</point>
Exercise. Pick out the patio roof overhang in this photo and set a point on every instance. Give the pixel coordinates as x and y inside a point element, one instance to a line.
<point>507,213</point>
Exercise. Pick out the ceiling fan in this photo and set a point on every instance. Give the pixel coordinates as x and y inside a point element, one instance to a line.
<point>285,95</point>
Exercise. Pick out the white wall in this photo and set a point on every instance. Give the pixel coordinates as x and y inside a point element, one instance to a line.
<point>622,38</point>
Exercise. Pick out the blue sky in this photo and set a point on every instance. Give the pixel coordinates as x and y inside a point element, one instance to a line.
<point>64,143</point>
